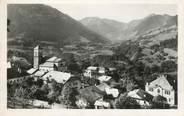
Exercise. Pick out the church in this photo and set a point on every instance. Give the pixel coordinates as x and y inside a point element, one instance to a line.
<point>161,86</point>
<point>49,65</point>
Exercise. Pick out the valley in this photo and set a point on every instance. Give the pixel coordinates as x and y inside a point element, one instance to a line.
<point>133,54</point>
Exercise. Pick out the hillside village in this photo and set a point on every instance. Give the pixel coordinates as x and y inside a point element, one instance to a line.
<point>46,85</point>
<point>62,63</point>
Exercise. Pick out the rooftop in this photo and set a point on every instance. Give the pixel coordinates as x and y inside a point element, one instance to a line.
<point>92,68</point>
<point>47,64</point>
<point>32,70</point>
<point>101,103</point>
<point>39,73</point>
<point>112,91</point>
<point>103,86</point>
<point>140,94</point>
<point>104,78</point>
<point>162,82</point>
<point>53,59</point>
<point>36,48</point>
<point>59,77</point>
<point>91,94</point>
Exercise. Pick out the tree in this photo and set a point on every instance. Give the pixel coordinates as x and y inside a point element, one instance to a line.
<point>159,102</point>
<point>28,82</point>
<point>85,63</point>
<point>127,83</point>
<point>114,74</point>
<point>39,82</point>
<point>155,69</point>
<point>140,68</point>
<point>72,96</point>
<point>125,102</point>
<point>147,71</point>
<point>74,67</point>
<point>168,66</point>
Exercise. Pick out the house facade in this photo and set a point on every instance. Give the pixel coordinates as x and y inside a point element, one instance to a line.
<point>161,87</point>
<point>93,71</point>
<point>142,97</point>
<point>51,64</point>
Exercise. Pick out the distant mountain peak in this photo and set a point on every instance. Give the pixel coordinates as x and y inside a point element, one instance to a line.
<point>44,23</point>
<point>115,30</point>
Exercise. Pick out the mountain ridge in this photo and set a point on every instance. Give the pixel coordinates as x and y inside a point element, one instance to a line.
<point>42,22</point>
<point>130,30</point>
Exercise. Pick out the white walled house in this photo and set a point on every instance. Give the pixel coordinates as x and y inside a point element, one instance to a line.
<point>143,98</point>
<point>88,72</point>
<point>91,70</point>
<point>51,64</point>
<point>59,77</point>
<point>162,87</point>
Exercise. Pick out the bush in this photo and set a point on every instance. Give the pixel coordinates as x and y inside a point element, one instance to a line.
<point>124,102</point>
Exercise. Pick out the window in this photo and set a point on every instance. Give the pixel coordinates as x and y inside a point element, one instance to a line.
<point>158,90</point>
<point>150,89</point>
<point>167,92</point>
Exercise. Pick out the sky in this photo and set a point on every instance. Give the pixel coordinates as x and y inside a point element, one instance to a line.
<point>119,12</point>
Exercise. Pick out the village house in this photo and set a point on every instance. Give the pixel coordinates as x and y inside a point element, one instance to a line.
<point>39,70</point>
<point>88,96</point>
<point>143,98</point>
<point>17,67</point>
<point>161,86</point>
<point>104,78</point>
<point>100,104</point>
<point>103,86</point>
<point>110,92</point>
<point>59,77</point>
<point>15,73</point>
<point>73,82</point>
<point>50,64</point>
<point>93,71</point>
<point>18,79</point>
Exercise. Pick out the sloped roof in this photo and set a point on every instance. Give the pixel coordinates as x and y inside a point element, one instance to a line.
<point>162,82</point>
<point>112,91</point>
<point>91,94</point>
<point>37,47</point>
<point>159,98</point>
<point>59,77</point>
<point>39,73</point>
<point>140,94</point>
<point>52,59</point>
<point>102,86</point>
<point>104,78</point>
<point>50,62</point>
<point>101,70</point>
<point>102,103</point>
<point>47,64</point>
<point>32,70</point>
<point>92,68</point>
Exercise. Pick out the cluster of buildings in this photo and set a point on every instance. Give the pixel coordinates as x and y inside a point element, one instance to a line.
<point>160,90</point>
<point>102,94</point>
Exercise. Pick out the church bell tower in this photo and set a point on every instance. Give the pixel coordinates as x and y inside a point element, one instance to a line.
<point>36,57</point>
